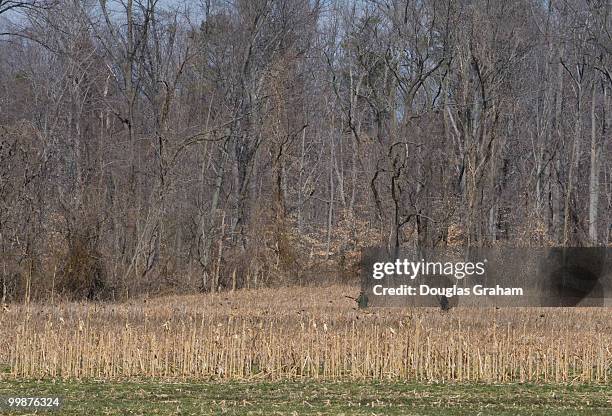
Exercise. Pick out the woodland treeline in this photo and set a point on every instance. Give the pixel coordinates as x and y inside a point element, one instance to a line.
<point>158,146</point>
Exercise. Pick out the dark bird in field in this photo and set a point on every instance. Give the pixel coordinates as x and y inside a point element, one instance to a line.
<point>444,304</point>
<point>362,300</point>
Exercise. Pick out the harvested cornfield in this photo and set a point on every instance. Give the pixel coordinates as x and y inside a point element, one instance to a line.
<point>310,333</point>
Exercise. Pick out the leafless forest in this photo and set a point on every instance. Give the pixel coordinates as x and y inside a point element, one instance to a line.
<point>152,146</point>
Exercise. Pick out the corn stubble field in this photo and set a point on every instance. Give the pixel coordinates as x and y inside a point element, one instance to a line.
<point>302,333</point>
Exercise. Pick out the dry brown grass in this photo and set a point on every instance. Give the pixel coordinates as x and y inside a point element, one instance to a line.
<point>302,332</point>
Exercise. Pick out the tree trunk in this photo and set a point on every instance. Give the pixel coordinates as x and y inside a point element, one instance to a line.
<point>573,168</point>
<point>594,176</point>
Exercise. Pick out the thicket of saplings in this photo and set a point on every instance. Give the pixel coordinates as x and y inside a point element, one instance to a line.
<point>76,267</point>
